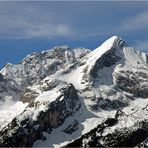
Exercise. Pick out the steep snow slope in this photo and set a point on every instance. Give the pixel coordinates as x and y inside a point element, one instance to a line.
<point>111,77</point>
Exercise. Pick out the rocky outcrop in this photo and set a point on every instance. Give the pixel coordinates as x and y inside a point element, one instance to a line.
<point>24,129</point>
<point>28,96</point>
<point>72,127</point>
<point>1,78</point>
<point>91,139</point>
<point>115,132</point>
<point>135,83</point>
<point>107,104</point>
<point>106,60</point>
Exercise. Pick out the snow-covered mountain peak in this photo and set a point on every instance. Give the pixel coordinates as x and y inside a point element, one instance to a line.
<point>59,49</point>
<point>112,42</point>
<point>117,41</point>
<point>37,66</point>
<point>68,91</point>
<point>106,56</point>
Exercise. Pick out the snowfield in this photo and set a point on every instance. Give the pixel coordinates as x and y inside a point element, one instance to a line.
<point>7,113</point>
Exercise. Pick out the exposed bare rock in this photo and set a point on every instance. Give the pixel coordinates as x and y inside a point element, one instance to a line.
<point>115,132</point>
<point>71,127</point>
<point>24,129</point>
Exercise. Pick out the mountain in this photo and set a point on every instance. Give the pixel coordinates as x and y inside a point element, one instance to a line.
<point>76,97</point>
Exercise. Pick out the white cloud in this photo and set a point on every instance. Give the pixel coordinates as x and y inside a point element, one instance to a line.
<point>25,21</point>
<point>22,28</point>
<point>137,22</point>
<point>48,31</point>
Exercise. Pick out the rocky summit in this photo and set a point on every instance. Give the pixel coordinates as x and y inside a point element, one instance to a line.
<point>76,97</point>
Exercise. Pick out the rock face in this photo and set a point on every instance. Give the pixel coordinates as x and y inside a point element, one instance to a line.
<point>110,133</point>
<point>25,132</point>
<point>132,82</point>
<point>107,60</point>
<point>71,127</point>
<point>100,96</point>
<point>1,78</point>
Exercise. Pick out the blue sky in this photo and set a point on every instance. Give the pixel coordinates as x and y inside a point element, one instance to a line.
<point>26,27</point>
